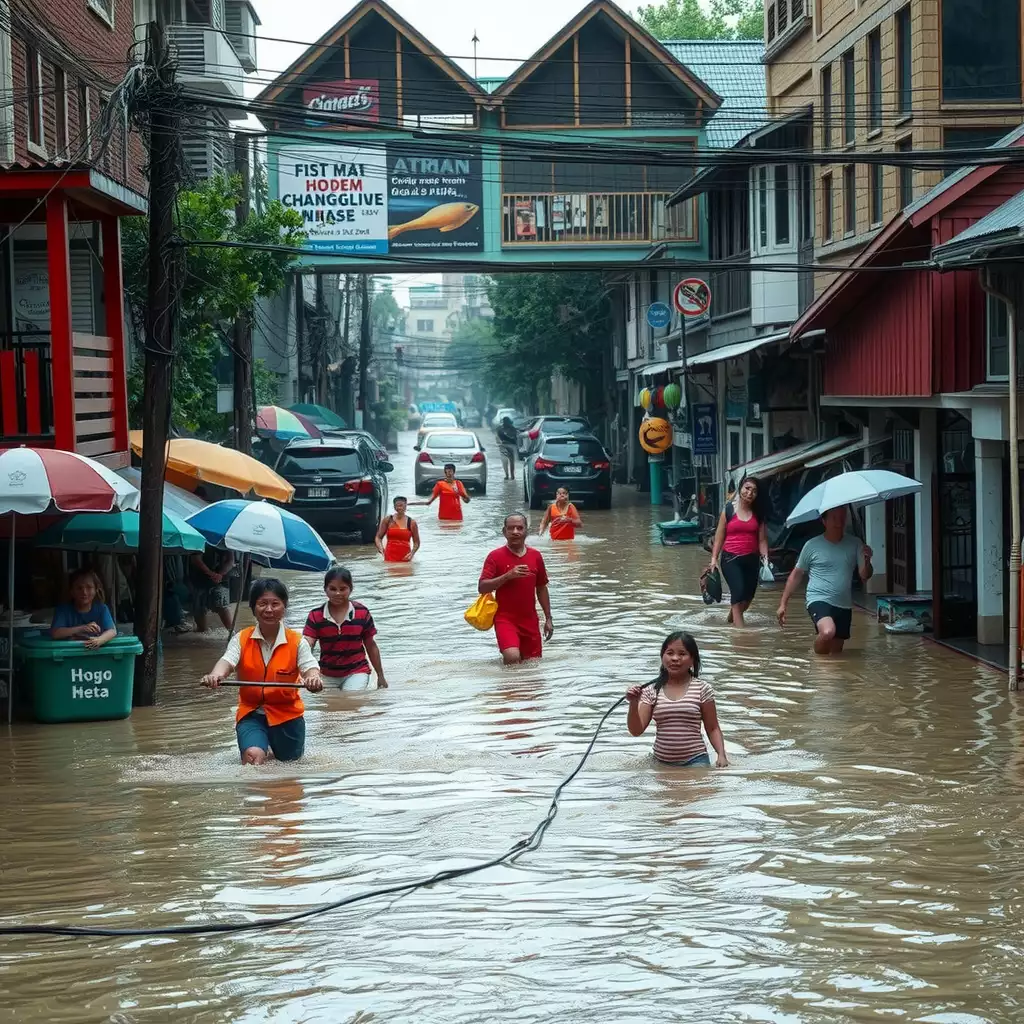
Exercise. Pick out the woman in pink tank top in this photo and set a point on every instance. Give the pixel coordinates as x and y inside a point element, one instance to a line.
<point>741,542</point>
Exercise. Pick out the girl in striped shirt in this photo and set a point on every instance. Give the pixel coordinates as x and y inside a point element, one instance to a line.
<point>678,701</point>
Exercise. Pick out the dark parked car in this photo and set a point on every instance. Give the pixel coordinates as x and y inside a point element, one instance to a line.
<point>378,449</point>
<point>550,425</point>
<point>340,484</point>
<point>579,463</point>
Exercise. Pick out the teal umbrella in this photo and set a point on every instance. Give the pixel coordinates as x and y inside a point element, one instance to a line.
<point>116,533</point>
<point>319,414</point>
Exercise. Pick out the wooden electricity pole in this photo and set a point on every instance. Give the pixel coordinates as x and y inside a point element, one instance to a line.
<point>242,344</point>
<point>161,323</point>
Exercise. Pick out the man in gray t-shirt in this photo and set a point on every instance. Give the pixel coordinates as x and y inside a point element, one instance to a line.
<point>829,562</point>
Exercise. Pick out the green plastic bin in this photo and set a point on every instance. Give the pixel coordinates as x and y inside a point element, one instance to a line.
<point>70,683</point>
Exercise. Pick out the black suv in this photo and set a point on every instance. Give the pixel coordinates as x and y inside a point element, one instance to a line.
<point>579,463</point>
<point>340,484</point>
<point>561,426</point>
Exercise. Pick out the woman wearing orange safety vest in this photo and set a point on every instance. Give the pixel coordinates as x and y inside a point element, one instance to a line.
<point>269,717</point>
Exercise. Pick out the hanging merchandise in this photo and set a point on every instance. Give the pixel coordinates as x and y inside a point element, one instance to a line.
<point>673,395</point>
<point>645,398</point>
<point>659,398</point>
<point>655,435</point>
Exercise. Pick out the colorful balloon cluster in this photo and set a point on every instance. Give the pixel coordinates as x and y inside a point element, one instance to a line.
<point>667,397</point>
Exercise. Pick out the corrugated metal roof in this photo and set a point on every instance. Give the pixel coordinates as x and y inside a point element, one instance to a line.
<point>734,69</point>
<point>1006,218</point>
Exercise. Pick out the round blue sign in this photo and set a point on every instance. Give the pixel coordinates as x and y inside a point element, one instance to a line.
<point>659,315</point>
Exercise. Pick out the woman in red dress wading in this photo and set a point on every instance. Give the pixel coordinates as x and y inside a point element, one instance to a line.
<point>401,533</point>
<point>451,492</point>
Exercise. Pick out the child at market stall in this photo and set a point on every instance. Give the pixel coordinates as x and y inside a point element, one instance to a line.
<point>679,702</point>
<point>85,617</point>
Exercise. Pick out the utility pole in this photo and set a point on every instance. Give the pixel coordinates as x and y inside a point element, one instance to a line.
<point>161,325</point>
<point>243,393</point>
<point>364,349</point>
<point>300,334</point>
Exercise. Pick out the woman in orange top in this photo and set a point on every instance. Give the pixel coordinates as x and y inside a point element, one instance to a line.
<point>269,717</point>
<point>451,492</point>
<point>401,532</point>
<point>561,516</point>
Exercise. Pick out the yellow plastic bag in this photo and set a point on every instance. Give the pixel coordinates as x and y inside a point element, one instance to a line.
<point>480,614</point>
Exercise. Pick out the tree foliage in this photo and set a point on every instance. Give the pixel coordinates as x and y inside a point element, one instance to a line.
<point>218,285</point>
<point>691,19</point>
<point>544,323</point>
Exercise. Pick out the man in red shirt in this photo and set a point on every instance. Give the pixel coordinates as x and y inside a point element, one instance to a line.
<point>516,575</point>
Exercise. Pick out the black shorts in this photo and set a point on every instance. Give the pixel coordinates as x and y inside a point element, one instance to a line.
<point>741,575</point>
<point>842,617</point>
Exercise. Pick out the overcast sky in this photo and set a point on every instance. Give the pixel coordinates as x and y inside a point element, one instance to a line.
<point>509,32</point>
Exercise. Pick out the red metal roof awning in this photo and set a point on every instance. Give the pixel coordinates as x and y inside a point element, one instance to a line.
<point>86,186</point>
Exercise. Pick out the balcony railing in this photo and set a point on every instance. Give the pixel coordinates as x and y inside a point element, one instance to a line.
<point>596,218</point>
<point>207,60</point>
<point>730,289</point>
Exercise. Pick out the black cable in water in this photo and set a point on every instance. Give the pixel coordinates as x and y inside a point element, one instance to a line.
<point>531,842</point>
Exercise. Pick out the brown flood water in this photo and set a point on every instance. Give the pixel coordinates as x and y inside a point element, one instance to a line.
<point>860,860</point>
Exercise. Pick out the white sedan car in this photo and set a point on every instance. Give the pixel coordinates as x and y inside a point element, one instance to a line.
<point>462,448</point>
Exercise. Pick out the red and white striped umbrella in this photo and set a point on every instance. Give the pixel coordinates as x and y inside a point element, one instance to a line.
<point>34,480</point>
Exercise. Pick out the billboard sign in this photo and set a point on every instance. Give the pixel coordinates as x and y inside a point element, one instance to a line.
<point>434,199</point>
<point>341,192</point>
<point>371,198</point>
<point>355,98</point>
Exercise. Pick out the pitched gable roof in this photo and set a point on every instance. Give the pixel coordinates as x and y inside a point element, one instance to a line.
<point>637,33</point>
<point>294,73</point>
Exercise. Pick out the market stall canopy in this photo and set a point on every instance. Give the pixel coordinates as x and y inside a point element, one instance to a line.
<point>320,415</point>
<point>116,533</point>
<point>284,424</point>
<point>177,501</point>
<point>35,480</point>
<point>195,460</point>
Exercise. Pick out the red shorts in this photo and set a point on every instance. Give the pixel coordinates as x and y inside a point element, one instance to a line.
<point>525,636</point>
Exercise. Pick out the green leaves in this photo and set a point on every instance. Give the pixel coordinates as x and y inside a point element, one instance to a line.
<point>218,285</point>
<point>690,19</point>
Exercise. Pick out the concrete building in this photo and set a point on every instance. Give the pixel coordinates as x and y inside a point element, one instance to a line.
<point>922,74</point>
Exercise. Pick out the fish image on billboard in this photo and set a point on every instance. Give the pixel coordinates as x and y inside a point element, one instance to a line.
<point>443,218</point>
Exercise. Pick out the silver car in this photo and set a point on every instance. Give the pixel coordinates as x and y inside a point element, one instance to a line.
<point>460,447</point>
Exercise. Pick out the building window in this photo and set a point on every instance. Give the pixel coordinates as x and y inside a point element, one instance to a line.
<point>826,107</point>
<point>806,204</point>
<point>84,140</point>
<point>34,89</point>
<point>60,108</point>
<point>425,326</point>
<point>782,16</point>
<point>826,208</point>
<point>980,51</point>
<point>762,207</point>
<point>875,81</point>
<point>997,331</point>
<point>781,204</point>
<point>850,199</point>
<point>849,99</point>
<point>904,63</point>
<point>968,139</point>
<point>770,15</point>
<point>876,172</point>
<point>104,8</point>
<point>906,173</point>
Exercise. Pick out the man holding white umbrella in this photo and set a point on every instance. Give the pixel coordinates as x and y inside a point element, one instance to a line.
<point>829,561</point>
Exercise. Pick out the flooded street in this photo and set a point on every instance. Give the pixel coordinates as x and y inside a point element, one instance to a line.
<point>860,860</point>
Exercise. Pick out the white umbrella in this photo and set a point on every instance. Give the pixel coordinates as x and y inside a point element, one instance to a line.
<point>857,488</point>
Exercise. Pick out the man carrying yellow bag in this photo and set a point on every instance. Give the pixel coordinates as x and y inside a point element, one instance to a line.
<point>518,579</point>
<point>480,614</point>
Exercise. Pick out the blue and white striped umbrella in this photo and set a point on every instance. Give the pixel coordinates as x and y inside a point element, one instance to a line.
<point>264,531</point>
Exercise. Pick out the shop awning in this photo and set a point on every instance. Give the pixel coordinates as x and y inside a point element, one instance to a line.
<point>850,449</point>
<point>789,458</point>
<point>740,348</point>
<point>654,368</point>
